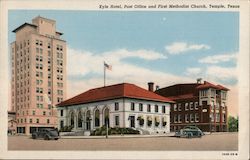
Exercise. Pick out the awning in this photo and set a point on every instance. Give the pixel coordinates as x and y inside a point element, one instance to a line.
<point>149,118</point>
<point>157,119</point>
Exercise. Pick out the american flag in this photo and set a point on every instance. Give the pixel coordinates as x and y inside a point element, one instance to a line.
<point>109,67</point>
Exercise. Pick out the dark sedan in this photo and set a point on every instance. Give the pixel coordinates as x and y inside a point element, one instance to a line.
<point>46,134</point>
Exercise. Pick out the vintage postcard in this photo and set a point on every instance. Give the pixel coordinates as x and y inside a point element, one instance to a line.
<point>124,80</point>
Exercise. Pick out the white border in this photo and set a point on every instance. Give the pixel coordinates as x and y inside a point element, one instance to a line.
<point>243,70</point>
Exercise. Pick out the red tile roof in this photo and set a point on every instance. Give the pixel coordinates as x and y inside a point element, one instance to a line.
<point>123,90</point>
<point>210,85</point>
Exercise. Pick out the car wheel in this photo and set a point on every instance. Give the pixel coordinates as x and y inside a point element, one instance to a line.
<point>56,138</point>
<point>46,137</point>
<point>34,136</point>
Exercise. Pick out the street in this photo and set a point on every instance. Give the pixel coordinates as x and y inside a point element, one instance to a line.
<point>213,142</point>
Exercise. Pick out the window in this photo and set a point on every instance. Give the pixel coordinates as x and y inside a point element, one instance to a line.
<point>132,106</point>
<point>179,106</point>
<point>33,112</point>
<point>116,106</point>
<point>61,124</point>
<point>186,118</point>
<point>149,108</point>
<point>156,108</point>
<point>30,120</point>
<point>191,106</point>
<point>61,113</point>
<point>117,120</point>
<point>196,117</point>
<point>175,118</point>
<point>47,121</point>
<point>196,105</point>
<point>192,117</point>
<point>140,107</point>
<point>44,113</point>
<point>163,109</point>
<point>175,107</point>
<point>217,117</point>
<point>37,120</point>
<point>186,106</point>
<point>179,118</point>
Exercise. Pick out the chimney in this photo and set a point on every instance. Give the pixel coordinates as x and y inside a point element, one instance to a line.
<point>157,87</point>
<point>151,86</point>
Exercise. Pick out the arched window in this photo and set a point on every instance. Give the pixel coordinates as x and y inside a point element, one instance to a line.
<point>97,118</point>
<point>88,120</point>
<point>106,117</point>
<point>80,119</point>
<point>72,119</point>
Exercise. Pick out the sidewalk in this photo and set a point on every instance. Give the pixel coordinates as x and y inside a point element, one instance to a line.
<point>118,136</point>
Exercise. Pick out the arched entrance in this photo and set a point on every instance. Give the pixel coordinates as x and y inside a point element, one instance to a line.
<point>97,118</point>
<point>88,120</point>
<point>80,119</point>
<point>106,116</point>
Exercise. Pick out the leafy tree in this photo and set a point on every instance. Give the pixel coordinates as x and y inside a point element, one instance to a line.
<point>233,124</point>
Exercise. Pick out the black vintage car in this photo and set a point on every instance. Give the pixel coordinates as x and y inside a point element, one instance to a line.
<point>46,133</point>
<point>189,132</point>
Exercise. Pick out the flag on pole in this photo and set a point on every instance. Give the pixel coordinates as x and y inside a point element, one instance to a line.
<point>109,67</point>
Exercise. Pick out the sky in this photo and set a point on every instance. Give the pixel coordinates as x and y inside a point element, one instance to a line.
<point>142,46</point>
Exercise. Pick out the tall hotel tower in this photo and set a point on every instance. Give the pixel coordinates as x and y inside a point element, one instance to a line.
<point>38,80</point>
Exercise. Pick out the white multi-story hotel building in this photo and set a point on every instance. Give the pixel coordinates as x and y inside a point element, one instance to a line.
<point>38,79</point>
<point>120,105</point>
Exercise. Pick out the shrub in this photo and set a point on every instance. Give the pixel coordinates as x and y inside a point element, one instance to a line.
<point>113,131</point>
<point>66,129</point>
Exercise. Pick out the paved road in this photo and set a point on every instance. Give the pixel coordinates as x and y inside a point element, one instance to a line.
<point>214,142</point>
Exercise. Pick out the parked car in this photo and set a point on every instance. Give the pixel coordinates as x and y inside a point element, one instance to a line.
<point>46,134</point>
<point>189,132</point>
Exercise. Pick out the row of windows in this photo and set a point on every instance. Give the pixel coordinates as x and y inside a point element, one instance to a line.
<point>23,98</point>
<point>188,106</point>
<point>25,59</point>
<point>59,55</point>
<point>39,90</point>
<point>33,113</point>
<point>30,120</point>
<point>39,66</point>
<point>178,118</point>
<point>60,92</point>
<point>140,105</point>
<point>22,76</point>
<point>22,84</point>
<point>22,44</point>
<point>203,93</point>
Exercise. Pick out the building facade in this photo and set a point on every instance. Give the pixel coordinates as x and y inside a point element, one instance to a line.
<point>121,105</point>
<point>11,123</point>
<point>38,81</point>
<point>200,104</point>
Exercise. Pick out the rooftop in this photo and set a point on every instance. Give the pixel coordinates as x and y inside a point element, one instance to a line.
<point>123,90</point>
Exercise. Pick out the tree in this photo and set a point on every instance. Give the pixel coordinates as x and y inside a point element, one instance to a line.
<point>233,124</point>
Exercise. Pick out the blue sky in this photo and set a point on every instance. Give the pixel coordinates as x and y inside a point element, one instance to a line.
<point>180,45</point>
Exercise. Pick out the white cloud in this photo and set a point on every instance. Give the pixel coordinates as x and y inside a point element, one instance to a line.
<point>84,62</point>
<point>193,71</point>
<point>181,47</point>
<point>218,58</point>
<point>222,73</point>
<point>81,63</point>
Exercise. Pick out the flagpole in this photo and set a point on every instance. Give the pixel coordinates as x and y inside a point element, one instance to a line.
<point>104,74</point>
